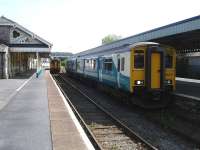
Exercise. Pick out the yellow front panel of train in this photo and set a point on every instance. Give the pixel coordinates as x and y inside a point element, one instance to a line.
<point>155,70</point>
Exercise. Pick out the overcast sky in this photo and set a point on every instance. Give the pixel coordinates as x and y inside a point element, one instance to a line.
<point>77,25</point>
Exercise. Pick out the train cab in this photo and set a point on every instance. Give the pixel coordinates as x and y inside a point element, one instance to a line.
<point>152,69</point>
<point>55,66</point>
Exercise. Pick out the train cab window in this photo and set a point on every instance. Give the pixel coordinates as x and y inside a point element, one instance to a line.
<point>122,63</point>
<point>168,61</point>
<point>139,59</point>
<point>108,64</point>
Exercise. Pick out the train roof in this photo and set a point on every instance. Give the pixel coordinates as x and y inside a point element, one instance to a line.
<point>122,48</point>
<point>143,43</point>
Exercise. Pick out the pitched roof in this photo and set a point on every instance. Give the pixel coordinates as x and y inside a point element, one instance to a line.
<point>7,22</point>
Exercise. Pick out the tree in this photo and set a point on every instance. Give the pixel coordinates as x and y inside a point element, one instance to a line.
<point>110,38</point>
<point>63,62</point>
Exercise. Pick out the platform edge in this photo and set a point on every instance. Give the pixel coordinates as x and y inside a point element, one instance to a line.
<point>76,122</point>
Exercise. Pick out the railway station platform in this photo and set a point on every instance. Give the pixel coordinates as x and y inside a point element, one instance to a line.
<point>34,116</point>
<point>188,87</point>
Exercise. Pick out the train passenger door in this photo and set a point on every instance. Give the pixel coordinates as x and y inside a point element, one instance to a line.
<point>100,67</point>
<point>118,70</point>
<point>155,70</point>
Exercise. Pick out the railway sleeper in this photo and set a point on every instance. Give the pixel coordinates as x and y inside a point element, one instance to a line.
<point>103,133</point>
<point>113,138</point>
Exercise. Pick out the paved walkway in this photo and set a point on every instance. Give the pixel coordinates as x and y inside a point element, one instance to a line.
<point>37,117</point>
<point>8,88</point>
<point>24,122</point>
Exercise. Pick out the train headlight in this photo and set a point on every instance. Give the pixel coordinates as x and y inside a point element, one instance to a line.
<point>168,81</point>
<point>139,82</point>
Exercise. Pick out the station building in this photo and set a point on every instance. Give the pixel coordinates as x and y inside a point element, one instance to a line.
<point>20,49</point>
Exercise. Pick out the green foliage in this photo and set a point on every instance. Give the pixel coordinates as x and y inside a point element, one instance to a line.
<point>63,62</point>
<point>110,38</point>
<point>93,125</point>
<point>114,147</point>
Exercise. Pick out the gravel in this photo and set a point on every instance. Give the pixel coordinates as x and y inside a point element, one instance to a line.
<point>153,133</point>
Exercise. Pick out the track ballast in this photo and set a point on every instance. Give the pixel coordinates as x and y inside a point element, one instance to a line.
<point>104,130</point>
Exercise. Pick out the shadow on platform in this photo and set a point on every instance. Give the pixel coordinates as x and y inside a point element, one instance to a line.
<point>24,75</point>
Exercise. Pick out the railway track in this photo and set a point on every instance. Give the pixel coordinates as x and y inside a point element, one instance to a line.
<point>104,129</point>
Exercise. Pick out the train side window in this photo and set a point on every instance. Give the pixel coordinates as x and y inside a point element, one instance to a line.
<point>118,64</point>
<point>122,63</point>
<point>168,61</point>
<point>139,60</point>
<point>94,64</point>
<point>87,64</point>
<point>108,64</point>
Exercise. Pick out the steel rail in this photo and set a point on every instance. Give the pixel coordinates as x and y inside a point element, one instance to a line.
<point>125,128</point>
<point>96,144</point>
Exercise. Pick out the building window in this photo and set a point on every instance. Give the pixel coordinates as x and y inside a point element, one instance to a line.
<point>108,64</point>
<point>122,63</point>
<point>16,34</point>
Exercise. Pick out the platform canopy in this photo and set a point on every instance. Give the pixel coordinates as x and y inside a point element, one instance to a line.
<point>183,35</point>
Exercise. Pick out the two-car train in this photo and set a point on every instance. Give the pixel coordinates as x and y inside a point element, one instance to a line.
<point>146,70</point>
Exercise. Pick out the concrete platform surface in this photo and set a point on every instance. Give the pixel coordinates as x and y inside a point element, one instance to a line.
<point>37,117</point>
<point>67,133</point>
<point>188,88</point>
<point>24,121</point>
<point>8,87</point>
